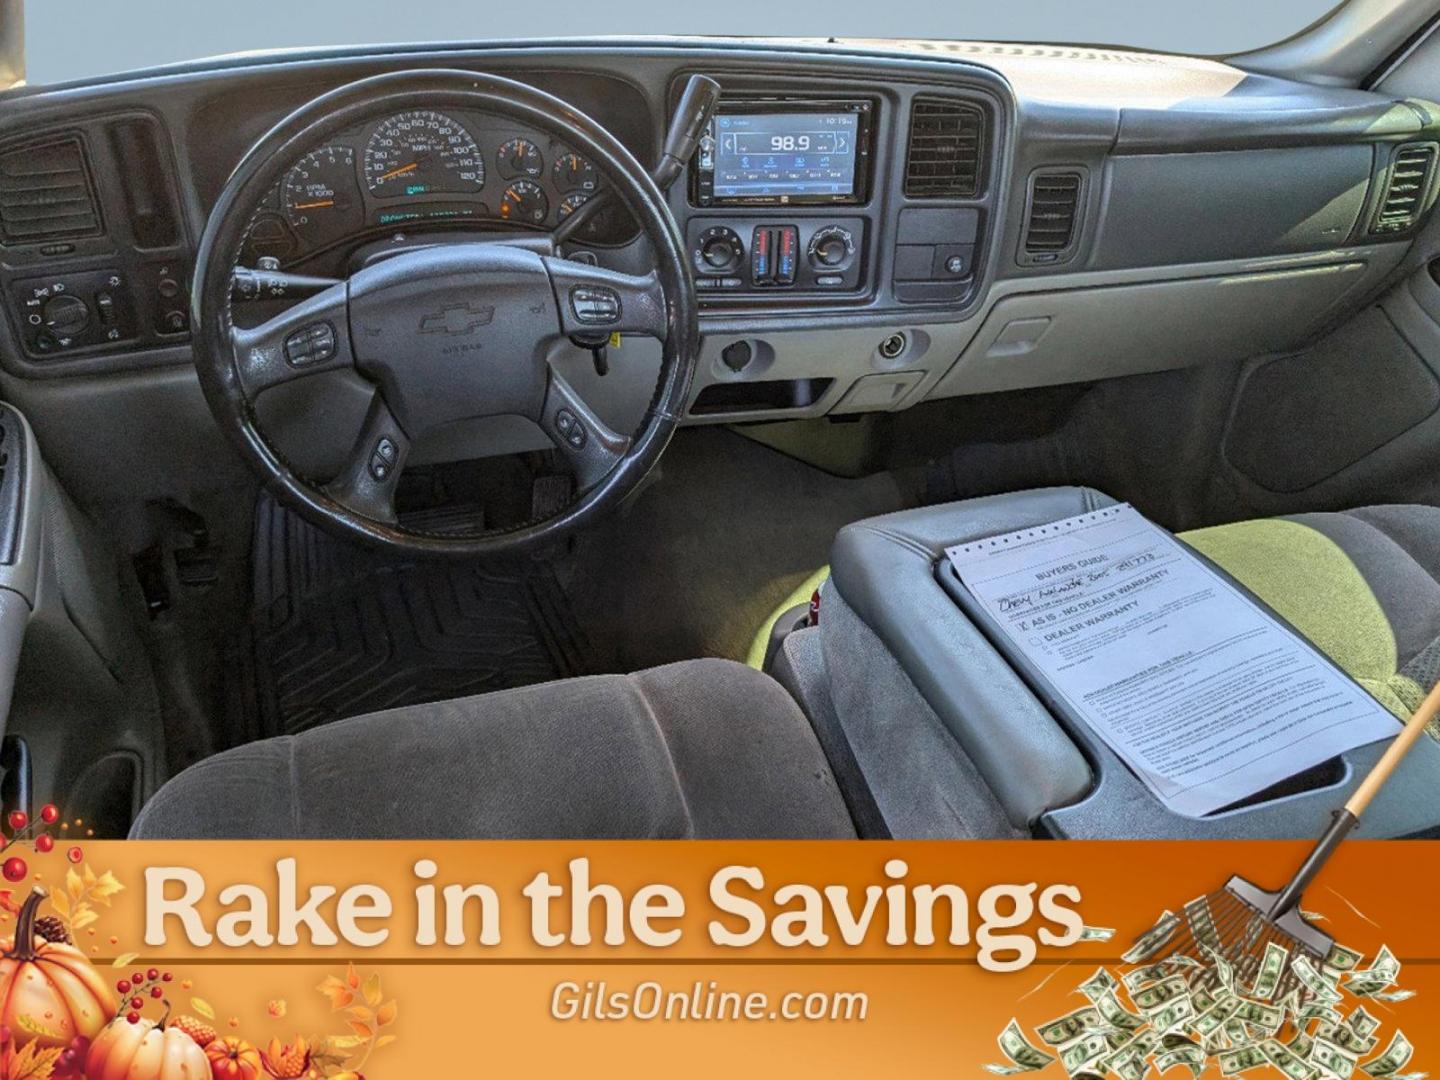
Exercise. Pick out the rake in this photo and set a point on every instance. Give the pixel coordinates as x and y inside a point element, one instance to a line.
<point>1240,920</point>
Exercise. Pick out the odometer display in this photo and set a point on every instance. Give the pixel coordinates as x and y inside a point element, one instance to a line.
<point>422,153</point>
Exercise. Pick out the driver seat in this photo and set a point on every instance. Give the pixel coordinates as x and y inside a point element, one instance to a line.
<point>705,749</point>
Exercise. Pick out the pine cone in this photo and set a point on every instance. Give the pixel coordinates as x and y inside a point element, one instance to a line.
<point>52,929</point>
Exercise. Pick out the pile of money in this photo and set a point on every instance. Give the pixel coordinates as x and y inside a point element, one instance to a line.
<point>1181,1010</point>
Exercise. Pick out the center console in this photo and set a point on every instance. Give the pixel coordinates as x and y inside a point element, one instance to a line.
<point>952,739</point>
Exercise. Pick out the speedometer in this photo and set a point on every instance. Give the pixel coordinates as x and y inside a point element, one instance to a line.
<point>422,153</point>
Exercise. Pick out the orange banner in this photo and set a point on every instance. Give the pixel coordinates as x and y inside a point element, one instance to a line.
<point>464,959</point>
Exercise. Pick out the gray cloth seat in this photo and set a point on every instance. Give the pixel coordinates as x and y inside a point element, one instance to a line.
<point>703,749</point>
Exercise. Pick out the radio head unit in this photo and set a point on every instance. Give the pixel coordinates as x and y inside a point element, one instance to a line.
<point>784,152</point>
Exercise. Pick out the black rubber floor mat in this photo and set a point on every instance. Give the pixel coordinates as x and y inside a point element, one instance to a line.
<point>340,631</point>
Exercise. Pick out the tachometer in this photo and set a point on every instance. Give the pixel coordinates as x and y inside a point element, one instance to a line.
<point>525,200</point>
<point>520,157</point>
<point>573,173</point>
<point>320,195</point>
<point>422,152</point>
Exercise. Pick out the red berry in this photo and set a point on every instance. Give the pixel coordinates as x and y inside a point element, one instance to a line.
<point>15,869</point>
<point>152,974</point>
<point>49,813</point>
<point>123,986</point>
<point>133,1017</point>
<point>137,1003</point>
<point>157,993</point>
<point>44,843</point>
<point>166,977</point>
<point>137,978</point>
<point>18,819</point>
<point>75,854</point>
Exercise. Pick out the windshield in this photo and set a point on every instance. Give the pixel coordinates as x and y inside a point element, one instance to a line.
<point>66,41</point>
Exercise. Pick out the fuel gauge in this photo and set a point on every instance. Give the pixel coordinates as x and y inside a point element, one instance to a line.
<point>572,202</point>
<point>525,200</point>
<point>572,172</point>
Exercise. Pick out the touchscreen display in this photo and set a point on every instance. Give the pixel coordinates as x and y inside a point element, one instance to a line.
<point>775,155</point>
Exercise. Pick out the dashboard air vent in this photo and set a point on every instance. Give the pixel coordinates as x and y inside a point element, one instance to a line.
<point>943,157</point>
<point>1052,214</point>
<point>1410,175</point>
<point>46,193</point>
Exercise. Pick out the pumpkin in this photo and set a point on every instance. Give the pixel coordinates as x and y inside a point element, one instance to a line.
<point>145,1050</point>
<point>233,1059</point>
<point>51,985</point>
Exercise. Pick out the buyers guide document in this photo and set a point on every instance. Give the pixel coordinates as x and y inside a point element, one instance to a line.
<point>1207,697</point>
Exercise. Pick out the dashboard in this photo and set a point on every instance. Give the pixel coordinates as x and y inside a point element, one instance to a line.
<point>869,224</point>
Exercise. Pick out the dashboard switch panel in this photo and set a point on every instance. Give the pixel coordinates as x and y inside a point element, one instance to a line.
<point>814,255</point>
<point>74,311</point>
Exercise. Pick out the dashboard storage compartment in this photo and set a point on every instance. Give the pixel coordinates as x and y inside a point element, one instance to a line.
<point>764,396</point>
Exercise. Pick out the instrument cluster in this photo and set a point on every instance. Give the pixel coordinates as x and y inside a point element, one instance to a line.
<point>426,168</point>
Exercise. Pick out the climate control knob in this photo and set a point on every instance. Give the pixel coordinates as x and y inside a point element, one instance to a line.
<point>65,316</point>
<point>831,248</point>
<point>719,251</point>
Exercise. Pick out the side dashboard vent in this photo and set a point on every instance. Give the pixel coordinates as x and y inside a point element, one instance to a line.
<point>1052,215</point>
<point>1406,188</point>
<point>47,193</point>
<point>944,154</point>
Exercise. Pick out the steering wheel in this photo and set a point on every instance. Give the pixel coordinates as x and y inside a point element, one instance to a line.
<point>449,332</point>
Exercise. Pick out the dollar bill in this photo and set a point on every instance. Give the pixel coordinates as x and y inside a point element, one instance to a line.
<point>1116,1015</point>
<point>1266,1017</point>
<point>1287,1061</point>
<point>1023,1057</point>
<point>1153,940</point>
<point>1142,976</point>
<point>1272,967</point>
<point>1096,933</point>
<point>1396,1056</point>
<point>1241,1060</point>
<point>1213,1019</point>
<point>1162,993</point>
<point>1361,1022</point>
<point>1346,1037</point>
<point>1102,982</point>
<point>1332,1059</point>
<point>1178,1012</point>
<point>1223,971</point>
<point>1319,988</point>
<point>1083,1052</point>
<point>1340,958</point>
<point>1391,996</point>
<point>1302,1044</point>
<point>1383,970</point>
<point>1069,1027</point>
<point>1192,1057</point>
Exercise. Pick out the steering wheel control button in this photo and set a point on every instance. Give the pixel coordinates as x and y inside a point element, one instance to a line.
<point>571,429</point>
<point>315,344</point>
<point>383,459</point>
<point>595,305</point>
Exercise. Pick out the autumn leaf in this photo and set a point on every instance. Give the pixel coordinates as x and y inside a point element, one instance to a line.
<point>384,1041</point>
<point>84,915</point>
<point>7,902</point>
<point>352,977</point>
<point>35,1027</point>
<point>88,876</point>
<point>372,990</point>
<point>61,903</point>
<point>105,888</point>
<point>74,885</point>
<point>335,1045</point>
<point>33,1063</point>
<point>124,959</point>
<point>339,994</point>
<point>387,1012</point>
<point>365,1031</point>
<point>203,1007</point>
<point>359,1012</point>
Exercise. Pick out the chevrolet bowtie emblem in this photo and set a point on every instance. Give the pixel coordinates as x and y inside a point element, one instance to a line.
<point>461,319</point>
